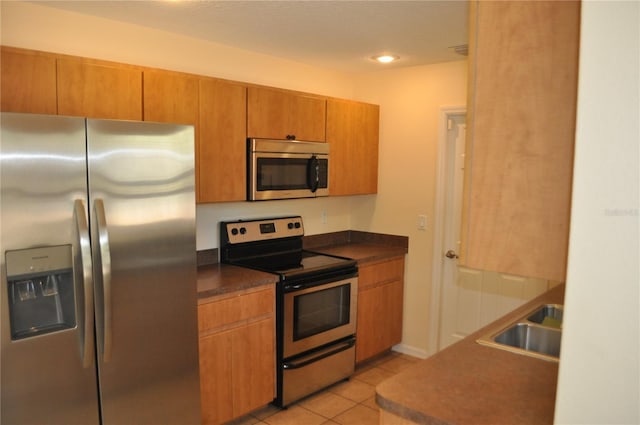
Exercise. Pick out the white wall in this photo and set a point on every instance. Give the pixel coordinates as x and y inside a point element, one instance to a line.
<point>599,375</point>
<point>409,101</point>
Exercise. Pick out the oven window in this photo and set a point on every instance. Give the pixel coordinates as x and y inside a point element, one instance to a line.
<point>320,311</point>
<point>287,173</point>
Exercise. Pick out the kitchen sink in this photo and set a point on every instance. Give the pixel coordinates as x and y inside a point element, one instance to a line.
<point>548,315</point>
<point>531,338</point>
<point>536,334</point>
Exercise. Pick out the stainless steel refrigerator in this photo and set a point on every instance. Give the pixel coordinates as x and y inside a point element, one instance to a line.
<point>98,302</point>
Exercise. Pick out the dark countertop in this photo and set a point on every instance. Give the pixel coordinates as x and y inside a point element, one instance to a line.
<point>361,246</point>
<point>217,279</point>
<point>468,383</point>
<point>363,252</point>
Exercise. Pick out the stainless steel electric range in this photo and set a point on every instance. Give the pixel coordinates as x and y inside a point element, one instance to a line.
<point>316,302</point>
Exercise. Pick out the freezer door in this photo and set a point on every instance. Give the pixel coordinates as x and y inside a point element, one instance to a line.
<point>47,359</point>
<point>142,213</point>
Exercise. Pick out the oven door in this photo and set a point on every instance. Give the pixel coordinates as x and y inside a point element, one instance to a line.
<point>288,175</point>
<point>318,315</point>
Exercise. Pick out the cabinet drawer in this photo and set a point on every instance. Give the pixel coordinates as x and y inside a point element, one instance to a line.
<point>236,309</point>
<point>370,275</point>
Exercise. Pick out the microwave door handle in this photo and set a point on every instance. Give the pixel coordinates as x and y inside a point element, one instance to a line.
<point>313,174</point>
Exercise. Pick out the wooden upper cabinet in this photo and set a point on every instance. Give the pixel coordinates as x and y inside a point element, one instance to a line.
<point>28,82</point>
<point>170,97</point>
<point>522,108</point>
<point>98,91</point>
<point>279,114</point>
<point>352,134</point>
<point>221,161</point>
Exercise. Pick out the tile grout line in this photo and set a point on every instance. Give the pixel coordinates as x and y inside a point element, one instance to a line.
<point>374,364</point>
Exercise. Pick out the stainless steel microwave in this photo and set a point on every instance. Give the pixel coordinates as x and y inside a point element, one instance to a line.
<point>286,169</point>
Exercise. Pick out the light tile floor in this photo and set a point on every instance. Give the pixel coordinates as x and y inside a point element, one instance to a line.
<point>349,402</point>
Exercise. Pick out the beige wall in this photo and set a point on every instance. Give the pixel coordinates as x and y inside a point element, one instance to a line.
<point>409,99</point>
<point>45,28</point>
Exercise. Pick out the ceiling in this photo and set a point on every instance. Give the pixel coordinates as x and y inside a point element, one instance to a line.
<point>341,35</point>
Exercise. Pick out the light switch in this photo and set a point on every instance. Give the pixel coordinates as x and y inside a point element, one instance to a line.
<point>422,222</point>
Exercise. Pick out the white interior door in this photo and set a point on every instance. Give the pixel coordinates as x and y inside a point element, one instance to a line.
<point>470,299</point>
<point>455,321</point>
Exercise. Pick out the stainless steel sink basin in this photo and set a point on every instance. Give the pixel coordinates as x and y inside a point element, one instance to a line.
<point>548,315</point>
<point>536,334</point>
<point>532,338</point>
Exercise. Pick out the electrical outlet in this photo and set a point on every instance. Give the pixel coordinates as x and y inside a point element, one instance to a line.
<point>422,222</point>
<point>323,216</point>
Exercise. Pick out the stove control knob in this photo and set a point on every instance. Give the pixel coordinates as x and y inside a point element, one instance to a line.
<point>243,230</point>
<point>234,231</point>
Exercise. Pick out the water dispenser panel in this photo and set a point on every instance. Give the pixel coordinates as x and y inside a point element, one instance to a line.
<point>40,290</point>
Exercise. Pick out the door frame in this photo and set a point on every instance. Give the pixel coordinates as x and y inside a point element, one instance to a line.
<point>446,112</point>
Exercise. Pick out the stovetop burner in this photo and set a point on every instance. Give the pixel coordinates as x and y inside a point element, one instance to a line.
<point>296,264</point>
<point>275,246</point>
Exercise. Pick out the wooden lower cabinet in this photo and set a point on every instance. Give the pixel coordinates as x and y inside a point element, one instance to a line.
<point>237,355</point>
<point>215,378</point>
<point>253,366</point>
<point>380,301</point>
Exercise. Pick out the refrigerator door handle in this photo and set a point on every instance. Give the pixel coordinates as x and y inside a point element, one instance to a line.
<point>105,265</point>
<point>87,283</point>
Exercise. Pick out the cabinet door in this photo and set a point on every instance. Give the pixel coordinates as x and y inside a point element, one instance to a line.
<point>279,114</point>
<point>523,63</point>
<point>170,97</point>
<point>380,307</point>
<point>28,82</point>
<point>379,319</point>
<point>253,366</point>
<point>221,161</point>
<point>216,378</point>
<point>98,91</point>
<point>352,133</point>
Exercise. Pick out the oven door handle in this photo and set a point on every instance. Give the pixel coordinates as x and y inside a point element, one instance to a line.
<point>330,351</point>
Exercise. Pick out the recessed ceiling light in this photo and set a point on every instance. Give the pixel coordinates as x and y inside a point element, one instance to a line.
<point>385,58</point>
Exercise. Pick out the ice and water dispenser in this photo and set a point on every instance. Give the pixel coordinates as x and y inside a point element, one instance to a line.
<point>40,290</point>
